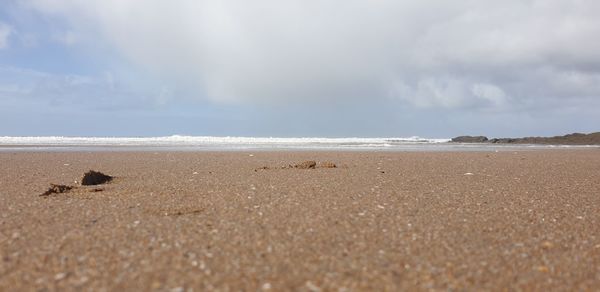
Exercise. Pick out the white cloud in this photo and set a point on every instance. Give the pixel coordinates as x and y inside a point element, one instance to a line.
<point>490,92</point>
<point>5,32</point>
<point>427,53</point>
<point>67,38</point>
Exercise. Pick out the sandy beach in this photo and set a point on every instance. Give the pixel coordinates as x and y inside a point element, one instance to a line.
<point>380,221</point>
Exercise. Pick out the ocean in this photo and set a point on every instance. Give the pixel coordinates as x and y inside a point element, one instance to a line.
<point>211,143</point>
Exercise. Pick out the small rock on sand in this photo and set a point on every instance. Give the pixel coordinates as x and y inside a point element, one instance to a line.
<point>91,178</point>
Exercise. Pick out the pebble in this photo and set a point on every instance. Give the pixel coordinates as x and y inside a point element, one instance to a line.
<point>547,245</point>
<point>60,276</point>
<point>312,287</point>
<point>266,286</point>
<point>543,269</point>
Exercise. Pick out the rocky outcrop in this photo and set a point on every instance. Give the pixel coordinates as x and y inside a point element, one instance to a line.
<point>570,139</point>
<point>503,140</point>
<point>470,139</point>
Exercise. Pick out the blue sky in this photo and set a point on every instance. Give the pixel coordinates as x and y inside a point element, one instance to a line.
<point>299,68</point>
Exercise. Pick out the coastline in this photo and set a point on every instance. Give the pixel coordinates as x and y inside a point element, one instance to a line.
<point>382,147</point>
<point>211,143</point>
<point>379,221</point>
<point>568,139</point>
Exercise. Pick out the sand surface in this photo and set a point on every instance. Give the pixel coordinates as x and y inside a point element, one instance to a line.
<point>179,221</point>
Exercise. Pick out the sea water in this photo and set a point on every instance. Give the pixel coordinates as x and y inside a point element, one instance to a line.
<point>211,143</point>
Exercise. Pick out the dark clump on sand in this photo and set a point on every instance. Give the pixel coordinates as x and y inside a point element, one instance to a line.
<point>309,164</point>
<point>91,178</point>
<point>56,189</point>
<point>569,139</point>
<point>328,164</point>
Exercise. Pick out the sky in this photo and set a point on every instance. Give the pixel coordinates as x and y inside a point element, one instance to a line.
<point>370,68</point>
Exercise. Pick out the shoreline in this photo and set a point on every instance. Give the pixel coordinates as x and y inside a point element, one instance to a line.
<point>210,143</point>
<point>437,147</point>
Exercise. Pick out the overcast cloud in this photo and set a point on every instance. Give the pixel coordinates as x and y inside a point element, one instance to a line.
<point>427,53</point>
<point>469,56</point>
<point>5,32</point>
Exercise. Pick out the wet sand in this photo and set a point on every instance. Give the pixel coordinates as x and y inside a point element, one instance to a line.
<point>526,220</point>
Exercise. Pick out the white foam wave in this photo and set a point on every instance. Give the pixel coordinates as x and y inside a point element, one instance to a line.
<point>178,140</point>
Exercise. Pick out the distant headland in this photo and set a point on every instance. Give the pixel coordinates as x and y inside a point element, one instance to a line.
<point>569,139</point>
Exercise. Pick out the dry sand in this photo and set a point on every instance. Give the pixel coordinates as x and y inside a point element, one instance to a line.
<point>527,220</point>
